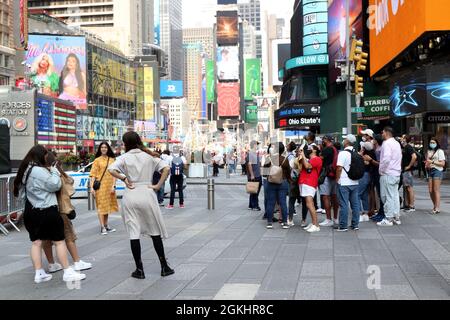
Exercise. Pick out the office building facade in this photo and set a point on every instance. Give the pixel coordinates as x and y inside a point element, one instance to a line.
<point>7,51</point>
<point>171,15</point>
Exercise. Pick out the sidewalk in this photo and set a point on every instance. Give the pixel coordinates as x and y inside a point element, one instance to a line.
<point>228,253</point>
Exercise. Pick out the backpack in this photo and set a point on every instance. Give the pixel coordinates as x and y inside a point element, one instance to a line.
<point>357,166</point>
<point>276,173</point>
<point>419,160</point>
<point>177,167</point>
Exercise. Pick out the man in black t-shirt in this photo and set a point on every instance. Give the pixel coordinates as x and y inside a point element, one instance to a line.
<point>408,160</point>
<point>328,188</point>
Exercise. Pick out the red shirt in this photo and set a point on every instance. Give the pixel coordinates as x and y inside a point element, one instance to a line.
<point>311,179</point>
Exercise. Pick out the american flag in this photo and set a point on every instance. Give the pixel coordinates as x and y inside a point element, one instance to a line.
<point>56,125</point>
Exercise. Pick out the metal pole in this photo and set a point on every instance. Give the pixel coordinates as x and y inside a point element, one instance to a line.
<point>348,89</point>
<point>211,194</point>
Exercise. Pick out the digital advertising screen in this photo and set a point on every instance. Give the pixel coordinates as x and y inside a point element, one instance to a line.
<point>171,89</point>
<point>227,28</point>
<point>228,101</point>
<point>58,67</point>
<point>210,81</point>
<point>336,31</point>
<point>400,24</point>
<point>228,63</point>
<point>251,114</point>
<point>226,2</point>
<point>252,78</point>
<point>315,27</point>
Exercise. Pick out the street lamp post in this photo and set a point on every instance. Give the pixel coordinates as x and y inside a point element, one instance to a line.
<point>348,86</point>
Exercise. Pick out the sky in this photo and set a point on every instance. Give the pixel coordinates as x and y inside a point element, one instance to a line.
<point>200,13</point>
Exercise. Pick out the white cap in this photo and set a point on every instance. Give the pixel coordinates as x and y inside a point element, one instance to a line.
<point>351,138</point>
<point>368,132</point>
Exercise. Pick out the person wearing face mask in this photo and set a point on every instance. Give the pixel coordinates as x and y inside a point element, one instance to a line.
<point>435,165</point>
<point>408,160</point>
<point>364,189</point>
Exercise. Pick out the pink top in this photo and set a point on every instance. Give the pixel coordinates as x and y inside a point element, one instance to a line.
<point>391,158</point>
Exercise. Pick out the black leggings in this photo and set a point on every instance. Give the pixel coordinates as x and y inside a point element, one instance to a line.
<point>136,250</point>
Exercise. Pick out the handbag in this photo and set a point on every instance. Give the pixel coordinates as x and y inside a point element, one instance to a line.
<point>323,175</point>
<point>72,215</point>
<point>252,187</point>
<point>276,173</point>
<point>97,183</point>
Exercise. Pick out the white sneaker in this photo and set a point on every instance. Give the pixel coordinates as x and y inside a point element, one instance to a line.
<point>308,226</point>
<point>397,221</point>
<point>291,223</point>
<point>54,267</point>
<point>320,210</point>
<point>81,265</point>
<point>313,228</point>
<point>43,277</point>
<point>72,275</point>
<point>336,221</point>
<point>385,223</point>
<point>326,223</point>
<point>364,218</point>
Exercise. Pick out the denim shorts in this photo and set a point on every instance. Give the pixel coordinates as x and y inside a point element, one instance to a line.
<point>435,174</point>
<point>408,180</point>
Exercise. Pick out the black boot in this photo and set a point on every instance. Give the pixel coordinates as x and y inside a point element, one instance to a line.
<point>138,274</point>
<point>165,269</point>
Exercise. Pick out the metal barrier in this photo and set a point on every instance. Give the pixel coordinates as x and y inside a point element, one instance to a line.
<point>9,204</point>
<point>91,198</point>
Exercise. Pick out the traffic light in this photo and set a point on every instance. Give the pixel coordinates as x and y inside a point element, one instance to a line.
<point>359,85</point>
<point>356,49</point>
<point>362,61</point>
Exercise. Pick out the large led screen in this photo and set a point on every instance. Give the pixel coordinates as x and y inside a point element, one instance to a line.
<point>227,63</point>
<point>228,100</point>
<point>227,28</point>
<point>58,67</point>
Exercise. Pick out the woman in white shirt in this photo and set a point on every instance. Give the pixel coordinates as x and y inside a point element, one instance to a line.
<point>435,164</point>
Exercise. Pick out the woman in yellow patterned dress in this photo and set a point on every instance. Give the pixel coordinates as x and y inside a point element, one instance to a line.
<point>105,197</point>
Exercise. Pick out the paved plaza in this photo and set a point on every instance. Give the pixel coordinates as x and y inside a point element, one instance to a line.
<point>229,254</point>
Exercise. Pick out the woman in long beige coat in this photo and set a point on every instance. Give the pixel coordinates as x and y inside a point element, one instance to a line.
<point>105,197</point>
<point>140,210</point>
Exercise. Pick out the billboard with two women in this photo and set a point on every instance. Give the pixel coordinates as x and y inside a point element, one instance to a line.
<point>58,67</point>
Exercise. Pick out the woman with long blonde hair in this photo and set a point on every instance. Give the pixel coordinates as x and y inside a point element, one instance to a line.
<point>44,75</point>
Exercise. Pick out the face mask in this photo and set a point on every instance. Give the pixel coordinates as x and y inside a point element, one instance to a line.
<point>368,146</point>
<point>364,139</point>
<point>404,143</point>
<point>433,146</point>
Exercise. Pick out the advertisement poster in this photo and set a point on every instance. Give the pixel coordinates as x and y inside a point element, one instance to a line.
<point>23,8</point>
<point>252,78</point>
<point>228,63</point>
<point>210,81</point>
<point>157,22</point>
<point>148,93</point>
<point>227,28</point>
<point>145,129</point>
<point>171,89</point>
<point>58,67</point>
<point>315,27</point>
<point>251,115</point>
<point>228,100</point>
<point>336,30</point>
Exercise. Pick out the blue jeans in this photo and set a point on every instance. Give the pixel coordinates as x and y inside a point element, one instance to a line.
<point>253,202</point>
<point>363,190</point>
<point>277,192</point>
<point>376,179</point>
<point>348,194</point>
<point>160,194</point>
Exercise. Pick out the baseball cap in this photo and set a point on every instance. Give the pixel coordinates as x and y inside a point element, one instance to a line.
<point>368,132</point>
<point>328,137</point>
<point>351,138</point>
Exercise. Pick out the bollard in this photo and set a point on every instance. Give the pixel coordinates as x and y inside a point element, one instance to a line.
<point>211,194</point>
<point>228,171</point>
<point>91,199</point>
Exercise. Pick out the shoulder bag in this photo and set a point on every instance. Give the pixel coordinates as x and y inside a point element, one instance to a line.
<point>97,183</point>
<point>276,173</point>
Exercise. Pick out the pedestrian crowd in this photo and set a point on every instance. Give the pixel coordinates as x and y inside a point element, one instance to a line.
<point>362,179</point>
